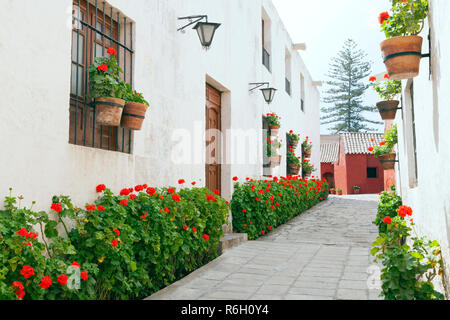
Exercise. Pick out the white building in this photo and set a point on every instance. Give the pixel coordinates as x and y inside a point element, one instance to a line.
<point>42,155</point>
<point>423,173</point>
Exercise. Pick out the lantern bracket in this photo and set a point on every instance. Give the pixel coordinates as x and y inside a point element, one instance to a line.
<point>192,20</point>
<point>258,85</point>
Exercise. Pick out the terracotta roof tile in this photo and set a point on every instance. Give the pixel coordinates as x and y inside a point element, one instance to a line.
<point>329,152</point>
<point>359,143</point>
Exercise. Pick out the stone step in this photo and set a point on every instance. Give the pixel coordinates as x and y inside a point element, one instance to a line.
<point>231,240</point>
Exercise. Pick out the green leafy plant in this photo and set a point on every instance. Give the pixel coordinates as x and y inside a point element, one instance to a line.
<point>306,145</point>
<point>356,188</point>
<point>408,18</point>
<point>387,146</point>
<point>307,167</point>
<point>388,90</point>
<point>292,158</point>
<point>273,147</point>
<point>35,270</point>
<point>292,137</point>
<point>130,95</point>
<point>408,269</point>
<point>258,207</point>
<point>273,120</point>
<point>104,78</point>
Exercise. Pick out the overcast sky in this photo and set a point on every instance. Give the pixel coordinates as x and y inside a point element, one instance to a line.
<point>325,25</point>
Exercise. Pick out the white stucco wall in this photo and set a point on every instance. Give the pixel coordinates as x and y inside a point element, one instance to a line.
<point>170,69</point>
<point>430,197</point>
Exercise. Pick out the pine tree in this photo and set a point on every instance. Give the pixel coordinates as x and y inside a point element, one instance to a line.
<point>349,72</point>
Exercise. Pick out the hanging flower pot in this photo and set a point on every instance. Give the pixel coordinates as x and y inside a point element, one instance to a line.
<point>402,56</point>
<point>387,161</point>
<point>388,109</point>
<point>307,154</point>
<point>275,161</point>
<point>293,139</point>
<point>108,111</point>
<point>293,169</point>
<point>274,123</point>
<point>307,174</point>
<point>133,115</point>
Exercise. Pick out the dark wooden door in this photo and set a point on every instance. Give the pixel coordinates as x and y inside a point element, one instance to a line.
<point>213,147</point>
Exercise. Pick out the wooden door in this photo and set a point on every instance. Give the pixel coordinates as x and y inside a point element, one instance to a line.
<point>213,147</point>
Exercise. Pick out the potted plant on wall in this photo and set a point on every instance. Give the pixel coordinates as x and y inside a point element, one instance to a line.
<point>339,191</point>
<point>273,152</point>
<point>333,191</point>
<point>384,152</point>
<point>387,91</point>
<point>402,51</point>
<point>274,123</point>
<point>293,139</point>
<point>293,163</point>
<point>136,106</point>
<point>306,148</point>
<point>105,89</point>
<point>307,168</point>
<point>356,189</point>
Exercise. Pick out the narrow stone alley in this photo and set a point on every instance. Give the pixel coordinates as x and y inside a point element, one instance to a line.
<point>322,254</point>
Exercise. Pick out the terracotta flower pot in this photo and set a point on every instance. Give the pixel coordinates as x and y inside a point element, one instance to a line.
<point>274,130</point>
<point>133,115</point>
<point>388,109</point>
<point>293,144</point>
<point>108,111</point>
<point>339,192</point>
<point>402,56</point>
<point>333,191</point>
<point>356,191</point>
<point>293,169</point>
<point>307,174</point>
<point>307,154</point>
<point>388,161</point>
<point>275,161</point>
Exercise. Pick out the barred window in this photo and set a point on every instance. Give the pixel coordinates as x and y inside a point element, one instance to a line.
<point>97,27</point>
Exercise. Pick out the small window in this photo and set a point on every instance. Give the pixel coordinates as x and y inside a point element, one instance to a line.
<point>266,40</point>
<point>97,27</point>
<point>372,173</point>
<point>302,92</point>
<point>288,72</point>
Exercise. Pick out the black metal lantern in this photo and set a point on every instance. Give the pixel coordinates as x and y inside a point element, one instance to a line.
<point>268,93</point>
<point>205,30</point>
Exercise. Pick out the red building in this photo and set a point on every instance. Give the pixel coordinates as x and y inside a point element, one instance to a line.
<point>346,162</point>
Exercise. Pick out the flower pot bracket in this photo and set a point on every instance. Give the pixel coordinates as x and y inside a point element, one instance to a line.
<point>412,53</point>
<point>389,161</point>
<point>112,104</point>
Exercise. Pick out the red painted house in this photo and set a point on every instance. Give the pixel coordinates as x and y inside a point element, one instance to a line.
<point>346,162</point>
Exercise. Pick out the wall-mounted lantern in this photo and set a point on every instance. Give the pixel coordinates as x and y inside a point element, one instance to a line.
<point>205,30</point>
<point>268,92</point>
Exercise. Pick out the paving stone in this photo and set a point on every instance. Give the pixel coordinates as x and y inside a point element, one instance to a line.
<point>351,294</point>
<point>318,255</point>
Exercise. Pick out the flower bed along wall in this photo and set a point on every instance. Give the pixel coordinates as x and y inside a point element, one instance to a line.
<point>260,206</point>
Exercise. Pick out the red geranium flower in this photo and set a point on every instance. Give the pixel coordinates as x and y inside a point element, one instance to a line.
<point>20,294</point>
<point>46,282</point>
<point>262,232</point>
<point>235,179</point>
<point>171,190</point>
<point>166,210</point>
<point>62,279</point>
<point>115,243</point>
<point>151,191</point>
<point>57,207</point>
<point>132,197</point>
<point>217,192</point>
<point>103,67</point>
<point>18,285</point>
<point>101,208</point>
<point>382,143</point>
<point>194,183</point>
<point>176,197</point>
<point>194,229</point>
<point>100,188</point>
<point>383,17</point>
<point>117,232</point>
<point>181,181</point>
<point>124,202</point>
<point>403,211</point>
<point>386,76</point>
<point>387,220</point>
<point>125,192</point>
<point>75,264</point>
<point>112,51</point>
<point>27,272</point>
<point>84,275</point>
<point>371,149</point>
<point>372,79</point>
<point>206,237</point>
<point>22,232</point>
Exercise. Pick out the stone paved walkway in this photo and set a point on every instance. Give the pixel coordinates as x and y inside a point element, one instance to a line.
<point>322,254</point>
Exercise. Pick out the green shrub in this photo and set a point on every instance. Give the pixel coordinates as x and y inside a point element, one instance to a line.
<point>408,269</point>
<point>260,206</point>
<point>132,244</point>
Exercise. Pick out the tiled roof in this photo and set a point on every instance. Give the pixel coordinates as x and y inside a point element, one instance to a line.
<point>359,143</point>
<point>329,152</point>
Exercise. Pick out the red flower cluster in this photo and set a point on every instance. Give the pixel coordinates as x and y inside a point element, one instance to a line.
<point>171,190</point>
<point>125,192</point>
<point>57,207</point>
<point>103,67</point>
<point>181,181</point>
<point>115,243</point>
<point>46,282</point>
<point>139,188</point>
<point>403,211</point>
<point>151,191</point>
<point>176,197</point>
<point>144,216</point>
<point>383,17</point>
<point>210,197</point>
<point>372,79</point>
<point>90,207</point>
<point>27,272</point>
<point>112,51</point>
<point>206,237</point>
<point>117,232</point>
<point>18,286</point>
<point>387,220</point>
<point>62,279</point>
<point>101,188</point>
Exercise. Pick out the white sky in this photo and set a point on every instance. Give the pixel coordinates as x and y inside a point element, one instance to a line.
<point>325,25</point>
